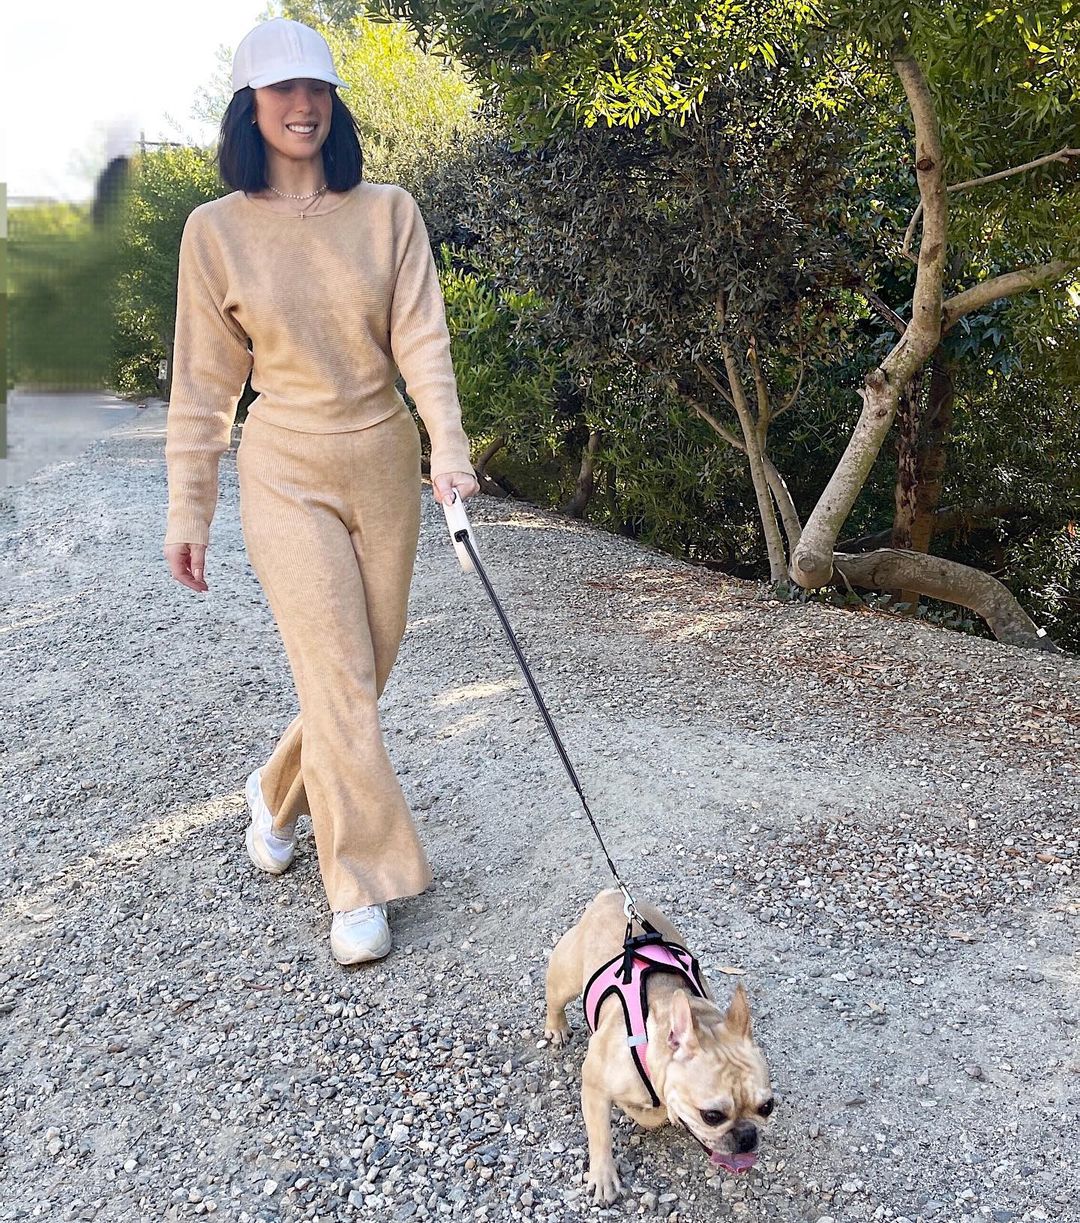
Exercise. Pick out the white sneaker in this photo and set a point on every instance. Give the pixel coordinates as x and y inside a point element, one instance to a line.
<point>358,935</point>
<point>268,851</point>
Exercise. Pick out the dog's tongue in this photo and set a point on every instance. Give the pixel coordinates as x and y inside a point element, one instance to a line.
<point>733,1163</point>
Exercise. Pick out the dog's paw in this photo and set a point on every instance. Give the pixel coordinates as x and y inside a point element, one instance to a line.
<point>557,1036</point>
<point>603,1182</point>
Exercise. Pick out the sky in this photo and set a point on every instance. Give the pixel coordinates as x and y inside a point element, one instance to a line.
<point>75,72</point>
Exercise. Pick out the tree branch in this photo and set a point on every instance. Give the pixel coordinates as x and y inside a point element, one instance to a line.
<point>1060,155</point>
<point>714,382</point>
<point>930,173</point>
<point>896,569</point>
<point>488,453</point>
<point>898,323</point>
<point>760,389</point>
<point>812,563</point>
<point>718,428</point>
<point>1007,285</point>
<point>790,401</point>
<point>789,515</point>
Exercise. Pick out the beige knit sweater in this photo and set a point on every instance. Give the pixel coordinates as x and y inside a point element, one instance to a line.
<point>335,305</point>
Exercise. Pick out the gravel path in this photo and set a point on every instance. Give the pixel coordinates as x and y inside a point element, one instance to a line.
<point>876,822</point>
<point>46,427</point>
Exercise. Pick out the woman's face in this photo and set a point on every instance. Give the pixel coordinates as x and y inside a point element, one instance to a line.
<point>294,116</point>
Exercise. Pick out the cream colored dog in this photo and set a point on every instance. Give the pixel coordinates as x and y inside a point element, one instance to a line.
<point>704,1066</point>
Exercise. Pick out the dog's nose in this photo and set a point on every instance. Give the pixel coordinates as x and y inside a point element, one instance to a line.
<point>743,1137</point>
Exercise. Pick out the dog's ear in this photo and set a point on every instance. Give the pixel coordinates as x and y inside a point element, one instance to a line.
<point>682,1039</point>
<point>737,1019</point>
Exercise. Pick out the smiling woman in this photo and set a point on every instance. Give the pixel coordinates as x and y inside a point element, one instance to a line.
<point>272,137</point>
<point>325,316</point>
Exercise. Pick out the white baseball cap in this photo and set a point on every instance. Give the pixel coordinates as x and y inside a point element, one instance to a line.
<point>282,50</point>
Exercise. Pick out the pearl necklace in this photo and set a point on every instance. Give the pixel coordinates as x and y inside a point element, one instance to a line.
<point>313,195</point>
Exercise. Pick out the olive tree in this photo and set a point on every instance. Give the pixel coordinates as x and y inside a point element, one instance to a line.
<point>699,254</point>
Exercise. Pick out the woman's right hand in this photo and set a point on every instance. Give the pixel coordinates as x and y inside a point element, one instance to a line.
<point>187,563</point>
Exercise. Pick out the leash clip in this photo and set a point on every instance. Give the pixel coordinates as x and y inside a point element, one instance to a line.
<point>629,908</point>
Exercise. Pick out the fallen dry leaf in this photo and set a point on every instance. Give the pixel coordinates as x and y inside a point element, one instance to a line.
<point>963,936</point>
<point>732,972</point>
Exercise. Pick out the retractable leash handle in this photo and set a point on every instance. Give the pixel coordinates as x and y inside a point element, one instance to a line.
<point>456,522</point>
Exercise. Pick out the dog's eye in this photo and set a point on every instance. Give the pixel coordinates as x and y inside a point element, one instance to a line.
<point>767,1107</point>
<point>712,1117</point>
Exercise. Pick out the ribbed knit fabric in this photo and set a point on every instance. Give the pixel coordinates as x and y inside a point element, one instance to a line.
<point>331,523</point>
<point>335,305</point>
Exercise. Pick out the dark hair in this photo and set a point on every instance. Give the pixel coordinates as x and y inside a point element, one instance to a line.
<point>242,150</point>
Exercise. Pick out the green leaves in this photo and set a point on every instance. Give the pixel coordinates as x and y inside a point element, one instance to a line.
<point>599,61</point>
<point>506,372</point>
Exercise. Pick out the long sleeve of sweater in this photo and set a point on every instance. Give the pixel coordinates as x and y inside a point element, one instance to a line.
<point>336,306</point>
<point>211,362</point>
<point>420,341</point>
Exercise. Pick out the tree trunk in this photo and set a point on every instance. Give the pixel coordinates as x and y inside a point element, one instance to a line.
<point>776,482</point>
<point>893,569</point>
<point>931,462</point>
<point>789,515</point>
<point>907,463</point>
<point>930,466</point>
<point>773,541</point>
<point>753,442</point>
<point>812,563</point>
<point>922,466</point>
<point>583,491</point>
<point>488,453</point>
<point>492,487</point>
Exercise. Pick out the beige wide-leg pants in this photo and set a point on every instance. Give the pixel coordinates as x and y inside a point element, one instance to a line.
<point>331,523</point>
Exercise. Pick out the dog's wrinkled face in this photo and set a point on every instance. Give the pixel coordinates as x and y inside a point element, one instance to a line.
<point>717,1083</point>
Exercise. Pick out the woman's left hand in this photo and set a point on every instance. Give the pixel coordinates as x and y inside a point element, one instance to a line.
<point>464,481</point>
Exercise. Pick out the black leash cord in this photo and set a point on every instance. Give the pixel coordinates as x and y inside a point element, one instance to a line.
<point>462,537</point>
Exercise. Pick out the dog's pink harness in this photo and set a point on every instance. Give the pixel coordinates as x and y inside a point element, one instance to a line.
<point>625,977</point>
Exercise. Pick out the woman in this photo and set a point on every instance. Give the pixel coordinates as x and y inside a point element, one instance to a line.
<point>332,280</point>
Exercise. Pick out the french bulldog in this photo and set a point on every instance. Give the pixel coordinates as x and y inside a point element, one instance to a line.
<point>702,1061</point>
